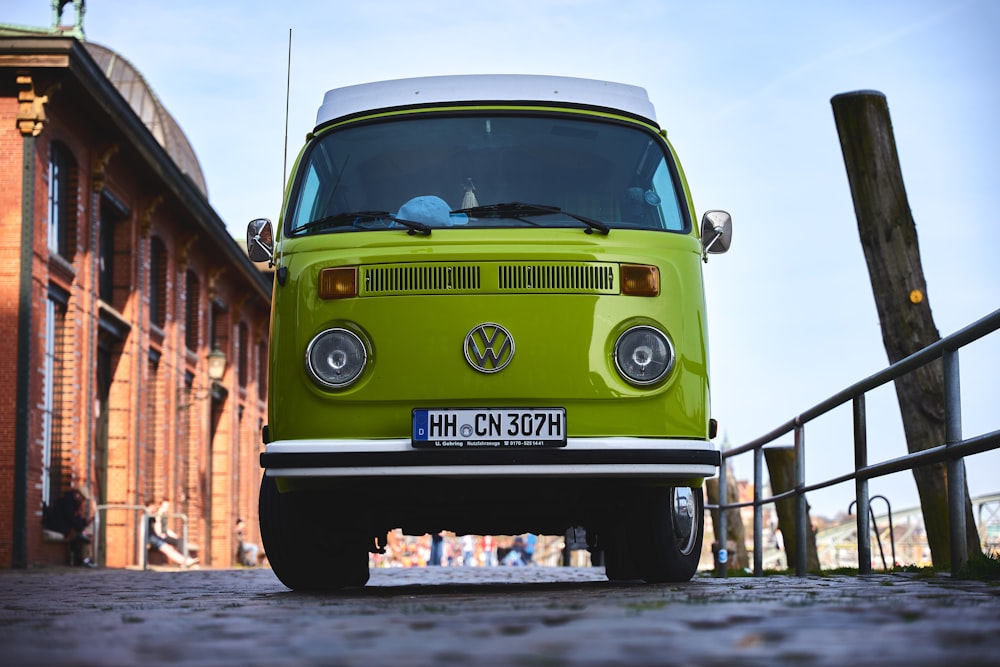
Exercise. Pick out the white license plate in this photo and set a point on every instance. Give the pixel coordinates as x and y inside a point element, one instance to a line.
<point>489,427</point>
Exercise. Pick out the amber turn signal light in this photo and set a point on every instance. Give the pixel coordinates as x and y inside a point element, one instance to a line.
<point>640,280</point>
<point>338,283</point>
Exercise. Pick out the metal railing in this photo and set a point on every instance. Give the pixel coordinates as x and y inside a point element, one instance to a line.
<point>97,529</point>
<point>874,526</point>
<point>952,451</point>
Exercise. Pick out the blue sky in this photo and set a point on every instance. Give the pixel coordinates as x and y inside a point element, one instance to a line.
<point>744,91</point>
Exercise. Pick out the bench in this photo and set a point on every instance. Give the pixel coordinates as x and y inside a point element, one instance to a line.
<point>65,553</point>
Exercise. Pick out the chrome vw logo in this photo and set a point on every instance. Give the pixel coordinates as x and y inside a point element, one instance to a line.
<point>489,348</point>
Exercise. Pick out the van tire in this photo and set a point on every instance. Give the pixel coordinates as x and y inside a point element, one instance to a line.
<point>618,565</point>
<point>305,551</point>
<point>665,533</point>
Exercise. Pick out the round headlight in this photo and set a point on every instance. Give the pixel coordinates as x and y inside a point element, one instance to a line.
<point>643,355</point>
<point>335,358</point>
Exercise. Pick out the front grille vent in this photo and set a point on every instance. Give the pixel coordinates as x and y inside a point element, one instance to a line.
<point>571,277</point>
<point>489,278</point>
<point>420,278</point>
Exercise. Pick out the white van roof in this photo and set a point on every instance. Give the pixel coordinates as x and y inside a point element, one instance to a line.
<point>341,102</point>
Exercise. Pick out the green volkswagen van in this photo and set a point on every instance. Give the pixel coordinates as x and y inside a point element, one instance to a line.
<point>489,318</point>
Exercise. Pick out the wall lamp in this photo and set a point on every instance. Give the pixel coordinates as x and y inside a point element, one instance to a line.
<point>216,364</point>
<point>216,371</point>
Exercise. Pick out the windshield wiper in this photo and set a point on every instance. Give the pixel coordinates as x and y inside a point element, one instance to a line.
<point>412,226</point>
<point>341,220</point>
<point>518,209</point>
<point>353,217</point>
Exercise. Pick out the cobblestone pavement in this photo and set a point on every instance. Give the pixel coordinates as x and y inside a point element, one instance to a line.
<point>531,616</point>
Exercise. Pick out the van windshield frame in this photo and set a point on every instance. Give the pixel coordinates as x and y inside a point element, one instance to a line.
<point>423,167</point>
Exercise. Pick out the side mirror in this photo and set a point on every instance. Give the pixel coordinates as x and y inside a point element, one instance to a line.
<point>260,241</point>
<point>716,232</point>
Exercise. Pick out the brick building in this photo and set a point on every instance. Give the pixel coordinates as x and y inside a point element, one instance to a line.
<point>119,284</point>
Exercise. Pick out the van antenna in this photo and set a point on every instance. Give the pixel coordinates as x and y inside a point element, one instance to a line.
<point>288,87</point>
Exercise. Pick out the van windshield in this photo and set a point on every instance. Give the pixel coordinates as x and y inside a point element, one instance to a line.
<point>486,170</point>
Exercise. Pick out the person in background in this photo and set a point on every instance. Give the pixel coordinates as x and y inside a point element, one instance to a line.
<point>489,551</point>
<point>449,555</point>
<point>515,556</point>
<point>70,516</point>
<point>156,537</point>
<point>437,549</point>
<point>172,538</point>
<point>530,542</point>
<point>246,552</point>
<point>468,550</point>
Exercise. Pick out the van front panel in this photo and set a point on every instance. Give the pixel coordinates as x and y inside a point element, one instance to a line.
<point>564,331</point>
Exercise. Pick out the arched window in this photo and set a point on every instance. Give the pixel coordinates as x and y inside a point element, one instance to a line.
<point>244,353</point>
<point>262,371</point>
<point>57,396</point>
<point>192,316</point>
<point>63,180</point>
<point>157,283</point>
<point>112,281</point>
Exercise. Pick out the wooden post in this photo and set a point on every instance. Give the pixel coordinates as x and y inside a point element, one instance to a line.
<point>889,240</point>
<point>781,470</point>
<point>739,559</point>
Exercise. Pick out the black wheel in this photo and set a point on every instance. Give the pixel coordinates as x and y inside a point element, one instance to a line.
<point>618,564</point>
<point>665,531</point>
<point>304,547</point>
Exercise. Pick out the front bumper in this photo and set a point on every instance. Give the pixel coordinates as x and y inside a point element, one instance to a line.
<point>621,457</point>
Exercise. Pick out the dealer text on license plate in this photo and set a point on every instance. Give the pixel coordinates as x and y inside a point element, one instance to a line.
<point>489,427</point>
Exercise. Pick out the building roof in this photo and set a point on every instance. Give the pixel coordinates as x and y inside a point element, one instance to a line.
<point>140,96</point>
<point>67,60</point>
<point>136,91</point>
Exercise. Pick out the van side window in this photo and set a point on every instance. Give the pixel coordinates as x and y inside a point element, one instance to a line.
<point>669,206</point>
